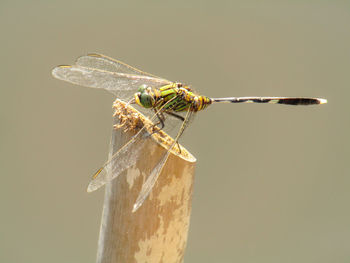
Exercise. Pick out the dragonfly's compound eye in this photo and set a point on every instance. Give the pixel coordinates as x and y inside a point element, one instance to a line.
<point>146,100</point>
<point>142,88</point>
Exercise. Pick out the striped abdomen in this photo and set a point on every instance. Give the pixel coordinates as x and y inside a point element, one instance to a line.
<point>274,100</point>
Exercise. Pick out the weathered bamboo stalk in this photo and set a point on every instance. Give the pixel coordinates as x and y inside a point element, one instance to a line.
<point>157,231</point>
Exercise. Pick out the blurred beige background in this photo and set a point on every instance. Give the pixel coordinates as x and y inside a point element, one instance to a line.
<point>272,182</point>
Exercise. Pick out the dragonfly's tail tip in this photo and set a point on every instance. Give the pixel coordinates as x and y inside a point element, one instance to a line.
<point>323,101</point>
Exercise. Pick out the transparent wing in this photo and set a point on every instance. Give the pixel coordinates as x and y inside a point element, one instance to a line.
<point>114,82</point>
<point>152,178</point>
<point>123,159</point>
<point>103,62</point>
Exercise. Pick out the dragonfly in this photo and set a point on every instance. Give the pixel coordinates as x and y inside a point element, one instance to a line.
<point>154,94</point>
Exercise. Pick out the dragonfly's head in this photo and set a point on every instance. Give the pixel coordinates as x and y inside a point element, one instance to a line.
<point>144,96</point>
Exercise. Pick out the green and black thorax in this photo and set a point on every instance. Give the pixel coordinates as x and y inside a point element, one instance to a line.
<point>173,97</point>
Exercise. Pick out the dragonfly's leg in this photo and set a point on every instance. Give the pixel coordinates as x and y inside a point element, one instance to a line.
<point>175,115</point>
<point>180,118</point>
<point>132,101</point>
<point>159,114</point>
<point>178,146</point>
<point>161,119</point>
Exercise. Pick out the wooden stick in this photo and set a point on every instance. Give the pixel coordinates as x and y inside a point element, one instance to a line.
<point>157,231</point>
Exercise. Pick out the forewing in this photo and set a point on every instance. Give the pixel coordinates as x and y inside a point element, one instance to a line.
<point>103,62</point>
<point>114,82</point>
